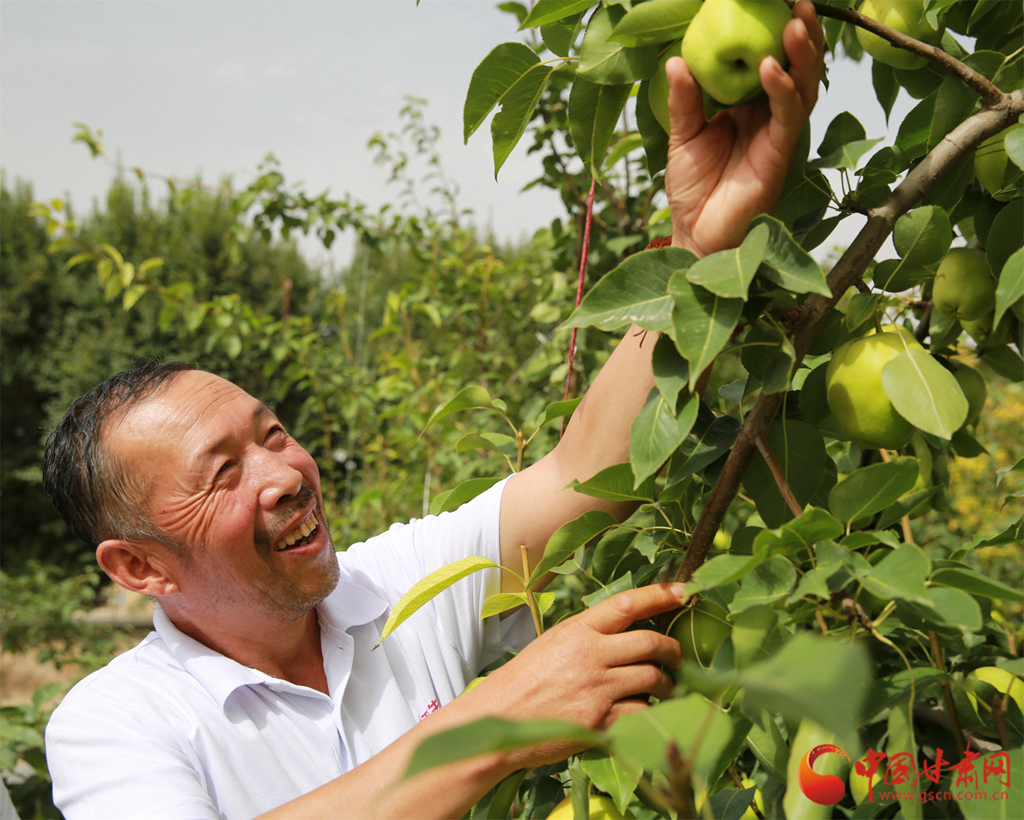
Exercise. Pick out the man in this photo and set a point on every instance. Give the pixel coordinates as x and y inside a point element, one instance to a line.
<point>258,694</point>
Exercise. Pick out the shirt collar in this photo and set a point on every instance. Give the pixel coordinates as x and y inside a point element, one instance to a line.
<point>354,602</point>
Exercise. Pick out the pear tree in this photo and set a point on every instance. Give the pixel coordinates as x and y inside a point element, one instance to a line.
<point>793,457</point>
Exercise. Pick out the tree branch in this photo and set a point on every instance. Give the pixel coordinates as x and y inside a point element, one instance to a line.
<point>989,92</point>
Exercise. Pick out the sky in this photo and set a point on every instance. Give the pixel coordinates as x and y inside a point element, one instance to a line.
<point>183,88</point>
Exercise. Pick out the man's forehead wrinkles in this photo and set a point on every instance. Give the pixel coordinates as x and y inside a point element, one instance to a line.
<point>226,438</point>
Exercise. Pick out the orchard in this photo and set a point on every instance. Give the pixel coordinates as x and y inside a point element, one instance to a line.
<point>802,422</point>
<point>792,464</point>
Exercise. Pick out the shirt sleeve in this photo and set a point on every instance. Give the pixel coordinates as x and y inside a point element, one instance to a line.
<point>407,553</point>
<point>91,743</point>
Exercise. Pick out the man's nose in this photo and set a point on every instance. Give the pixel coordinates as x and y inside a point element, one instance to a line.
<point>277,479</point>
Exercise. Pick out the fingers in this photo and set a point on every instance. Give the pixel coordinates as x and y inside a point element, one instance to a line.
<point>685,102</point>
<point>619,611</point>
<point>804,42</point>
<point>792,95</point>
<point>642,645</point>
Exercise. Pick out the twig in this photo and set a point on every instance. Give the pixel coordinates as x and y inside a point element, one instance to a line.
<point>989,92</point>
<point>531,600</point>
<point>947,695</point>
<point>779,476</point>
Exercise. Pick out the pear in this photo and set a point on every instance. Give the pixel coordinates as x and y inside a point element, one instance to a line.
<point>726,42</point>
<point>964,285</point>
<point>906,17</point>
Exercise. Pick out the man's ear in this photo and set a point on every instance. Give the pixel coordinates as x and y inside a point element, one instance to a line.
<point>136,567</point>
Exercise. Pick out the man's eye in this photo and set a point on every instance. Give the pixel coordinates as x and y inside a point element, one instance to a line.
<point>224,469</point>
<point>276,430</point>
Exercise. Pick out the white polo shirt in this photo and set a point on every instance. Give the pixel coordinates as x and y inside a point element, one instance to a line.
<point>172,729</point>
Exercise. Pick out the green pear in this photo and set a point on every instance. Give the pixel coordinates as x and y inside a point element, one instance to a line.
<point>964,286</point>
<point>982,331</point>
<point>906,17</point>
<point>726,42</point>
<point>853,389</point>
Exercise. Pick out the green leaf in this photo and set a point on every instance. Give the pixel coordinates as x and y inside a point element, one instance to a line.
<point>558,409</point>
<point>901,574</point>
<point>731,803</point>
<point>560,36</point>
<point>492,79</point>
<point>654,138</point>
<point>1005,236</point>
<point>722,570</point>
<point>518,107</point>
<point>430,587</point>
<point>491,734</point>
<point>690,722</point>
<point>450,499</point>
<point>616,483</point>
<point>703,323</point>
<point>469,398</point>
<point>611,775</point>
<point>1011,285</point>
<point>495,442</point>
<point>607,61</point>
<point>593,116</point>
<point>635,292</point>
<point>766,583</point>
<point>923,236</point>
<point>912,138</point>
<point>570,537</point>
<point>848,156</point>
<point>671,371</point>
<point>657,431</point>
<point>787,264</point>
<point>998,806</point>
<point>976,584</point>
<point>550,11</point>
<point>729,273</point>
<point>769,747</point>
<point>925,393</point>
<point>703,447</point>
<point>844,128</point>
<point>656,21</point>
<point>830,672</point>
<point>871,489</point>
<point>800,450</point>
<point>504,601</point>
<point>801,533</point>
<point>133,294</point>
<point>629,142</point>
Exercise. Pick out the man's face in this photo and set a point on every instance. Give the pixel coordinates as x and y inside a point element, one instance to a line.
<point>236,492</point>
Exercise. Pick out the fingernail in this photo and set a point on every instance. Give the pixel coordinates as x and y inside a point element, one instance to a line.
<point>679,590</point>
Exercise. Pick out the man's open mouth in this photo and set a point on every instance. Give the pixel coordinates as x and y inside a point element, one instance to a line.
<point>300,536</point>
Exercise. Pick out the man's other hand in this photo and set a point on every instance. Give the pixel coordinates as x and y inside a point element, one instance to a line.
<point>588,669</point>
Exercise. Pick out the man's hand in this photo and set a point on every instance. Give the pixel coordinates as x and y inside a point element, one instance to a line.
<point>588,669</point>
<point>723,172</point>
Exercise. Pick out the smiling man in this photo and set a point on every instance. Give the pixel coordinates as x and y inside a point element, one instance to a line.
<point>259,692</point>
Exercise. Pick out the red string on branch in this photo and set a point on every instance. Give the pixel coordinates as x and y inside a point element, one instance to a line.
<point>584,253</point>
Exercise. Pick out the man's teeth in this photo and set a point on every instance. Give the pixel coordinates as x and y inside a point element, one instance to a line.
<point>304,529</point>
